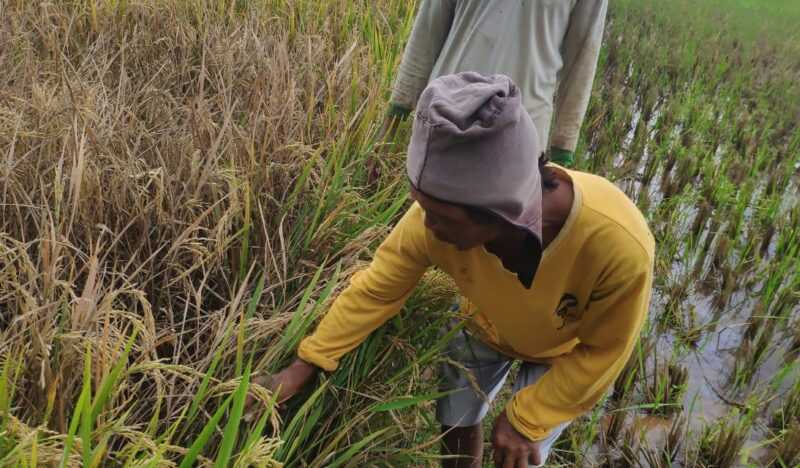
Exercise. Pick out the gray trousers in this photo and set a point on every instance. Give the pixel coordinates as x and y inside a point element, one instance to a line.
<point>489,369</point>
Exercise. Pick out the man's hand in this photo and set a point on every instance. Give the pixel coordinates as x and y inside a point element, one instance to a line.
<point>389,128</point>
<point>287,383</point>
<point>386,135</point>
<point>512,449</point>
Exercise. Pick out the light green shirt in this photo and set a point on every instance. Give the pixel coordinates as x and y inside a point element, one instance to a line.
<point>548,47</point>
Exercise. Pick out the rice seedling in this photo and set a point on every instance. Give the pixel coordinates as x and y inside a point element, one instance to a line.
<point>755,348</point>
<point>789,412</point>
<point>573,447</point>
<point>663,387</point>
<point>624,385</point>
<point>785,425</point>
<point>721,443</point>
<point>787,448</point>
<point>616,421</point>
<point>692,331</point>
<point>641,454</point>
<point>793,351</point>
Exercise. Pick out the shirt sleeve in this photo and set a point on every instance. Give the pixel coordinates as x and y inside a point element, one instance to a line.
<point>580,50</point>
<point>428,35</point>
<point>608,332</point>
<point>374,295</point>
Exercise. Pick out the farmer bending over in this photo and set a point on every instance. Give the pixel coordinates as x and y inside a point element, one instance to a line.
<point>554,266</point>
<point>549,48</point>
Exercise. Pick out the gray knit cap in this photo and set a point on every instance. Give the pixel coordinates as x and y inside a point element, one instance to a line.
<point>474,144</point>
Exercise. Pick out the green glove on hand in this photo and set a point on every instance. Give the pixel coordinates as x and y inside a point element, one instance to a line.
<point>398,111</point>
<point>562,156</point>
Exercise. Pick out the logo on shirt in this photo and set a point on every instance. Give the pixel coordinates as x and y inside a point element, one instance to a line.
<point>567,310</point>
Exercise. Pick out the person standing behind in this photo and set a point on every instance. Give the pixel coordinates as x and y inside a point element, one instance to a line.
<point>549,48</point>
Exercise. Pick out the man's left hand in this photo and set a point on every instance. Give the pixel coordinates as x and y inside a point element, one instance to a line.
<point>512,449</point>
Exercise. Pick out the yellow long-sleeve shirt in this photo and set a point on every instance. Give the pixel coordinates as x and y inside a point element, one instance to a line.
<point>582,314</point>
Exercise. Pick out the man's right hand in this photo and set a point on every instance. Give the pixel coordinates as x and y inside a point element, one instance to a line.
<point>287,383</point>
<point>385,136</point>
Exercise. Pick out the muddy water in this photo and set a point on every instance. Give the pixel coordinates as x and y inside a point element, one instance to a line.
<point>708,397</point>
<point>710,365</point>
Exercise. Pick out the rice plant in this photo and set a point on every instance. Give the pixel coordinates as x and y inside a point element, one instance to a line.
<point>721,443</point>
<point>184,190</point>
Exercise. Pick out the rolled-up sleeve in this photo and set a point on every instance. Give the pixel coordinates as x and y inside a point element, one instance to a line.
<point>427,38</point>
<point>580,51</point>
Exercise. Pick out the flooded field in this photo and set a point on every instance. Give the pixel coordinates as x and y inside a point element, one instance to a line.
<point>696,119</point>
<point>184,189</point>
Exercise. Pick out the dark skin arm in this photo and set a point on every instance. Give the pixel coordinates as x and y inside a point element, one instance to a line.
<point>287,383</point>
<point>385,136</point>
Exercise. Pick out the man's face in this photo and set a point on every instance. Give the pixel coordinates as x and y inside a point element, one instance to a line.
<point>452,224</point>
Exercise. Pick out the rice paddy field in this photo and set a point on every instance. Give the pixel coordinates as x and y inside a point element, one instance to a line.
<point>184,187</point>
